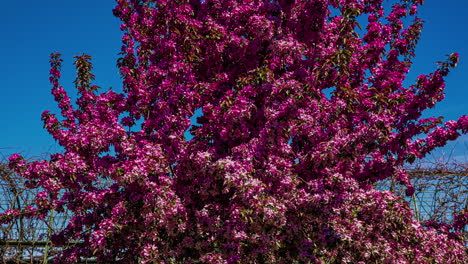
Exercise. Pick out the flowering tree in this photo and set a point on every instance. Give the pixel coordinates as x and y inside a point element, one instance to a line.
<point>277,170</point>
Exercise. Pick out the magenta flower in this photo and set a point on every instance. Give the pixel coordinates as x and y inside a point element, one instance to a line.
<point>247,132</point>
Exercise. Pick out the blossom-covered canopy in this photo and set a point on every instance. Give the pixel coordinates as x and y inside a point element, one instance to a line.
<point>300,108</point>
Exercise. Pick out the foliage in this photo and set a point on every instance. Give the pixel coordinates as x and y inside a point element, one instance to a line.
<point>276,171</point>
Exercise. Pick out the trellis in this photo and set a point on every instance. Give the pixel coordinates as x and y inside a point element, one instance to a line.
<point>441,192</point>
<point>26,240</point>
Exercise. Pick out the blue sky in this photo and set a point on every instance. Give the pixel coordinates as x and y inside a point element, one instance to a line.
<point>33,29</point>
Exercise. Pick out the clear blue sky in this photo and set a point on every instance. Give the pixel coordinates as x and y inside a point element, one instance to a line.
<point>33,29</point>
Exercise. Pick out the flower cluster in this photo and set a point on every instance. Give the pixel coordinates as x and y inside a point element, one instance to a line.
<point>279,170</point>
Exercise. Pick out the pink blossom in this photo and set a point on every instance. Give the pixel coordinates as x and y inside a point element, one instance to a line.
<point>294,117</point>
